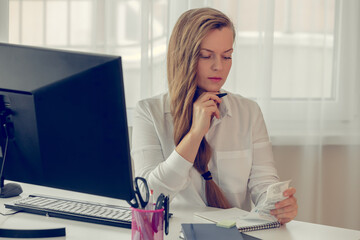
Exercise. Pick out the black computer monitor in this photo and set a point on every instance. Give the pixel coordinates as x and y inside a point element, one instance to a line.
<point>67,120</point>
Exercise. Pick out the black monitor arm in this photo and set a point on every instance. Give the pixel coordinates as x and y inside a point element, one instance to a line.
<point>6,134</point>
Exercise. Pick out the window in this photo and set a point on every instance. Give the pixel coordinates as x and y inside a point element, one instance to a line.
<point>289,55</point>
<point>117,27</point>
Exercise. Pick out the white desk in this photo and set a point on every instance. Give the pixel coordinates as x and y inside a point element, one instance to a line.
<point>81,230</point>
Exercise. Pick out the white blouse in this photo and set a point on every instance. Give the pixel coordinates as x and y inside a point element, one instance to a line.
<point>242,160</point>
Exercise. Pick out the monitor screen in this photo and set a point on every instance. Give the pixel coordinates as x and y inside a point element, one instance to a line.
<point>68,120</point>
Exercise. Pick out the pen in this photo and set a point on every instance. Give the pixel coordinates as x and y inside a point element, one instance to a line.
<point>151,204</point>
<point>220,95</point>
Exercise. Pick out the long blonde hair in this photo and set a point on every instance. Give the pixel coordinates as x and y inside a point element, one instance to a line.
<point>183,54</point>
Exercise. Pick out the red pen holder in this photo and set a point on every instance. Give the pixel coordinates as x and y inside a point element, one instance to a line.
<point>147,224</point>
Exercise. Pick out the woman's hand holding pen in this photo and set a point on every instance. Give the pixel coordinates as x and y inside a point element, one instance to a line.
<point>286,210</point>
<point>204,108</point>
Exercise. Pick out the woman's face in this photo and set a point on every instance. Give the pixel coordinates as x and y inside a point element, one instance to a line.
<point>215,59</point>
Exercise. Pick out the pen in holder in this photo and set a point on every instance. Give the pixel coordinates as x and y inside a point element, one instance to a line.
<point>147,224</point>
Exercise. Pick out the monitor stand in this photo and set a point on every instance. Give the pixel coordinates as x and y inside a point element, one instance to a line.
<point>6,127</point>
<point>10,190</point>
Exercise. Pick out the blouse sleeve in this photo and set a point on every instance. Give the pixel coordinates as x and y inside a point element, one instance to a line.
<point>263,171</point>
<point>164,175</point>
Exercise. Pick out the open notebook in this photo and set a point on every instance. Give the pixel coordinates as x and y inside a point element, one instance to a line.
<point>245,221</point>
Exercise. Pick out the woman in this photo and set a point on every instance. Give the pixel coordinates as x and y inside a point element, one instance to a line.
<point>195,146</point>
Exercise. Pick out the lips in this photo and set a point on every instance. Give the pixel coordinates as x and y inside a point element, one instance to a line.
<point>216,79</point>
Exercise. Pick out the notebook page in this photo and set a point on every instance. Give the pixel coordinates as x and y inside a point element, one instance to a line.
<point>222,214</point>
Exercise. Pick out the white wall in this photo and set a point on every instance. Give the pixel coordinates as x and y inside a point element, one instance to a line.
<point>338,197</point>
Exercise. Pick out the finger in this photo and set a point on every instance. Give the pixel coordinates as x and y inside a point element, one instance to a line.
<point>217,113</point>
<point>210,96</point>
<point>286,202</point>
<point>213,111</point>
<point>287,209</point>
<point>284,220</point>
<point>202,106</point>
<point>289,192</point>
<point>290,215</point>
<point>209,103</point>
<point>285,213</point>
<point>211,108</point>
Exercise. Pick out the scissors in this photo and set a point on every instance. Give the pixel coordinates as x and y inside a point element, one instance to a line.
<point>139,201</point>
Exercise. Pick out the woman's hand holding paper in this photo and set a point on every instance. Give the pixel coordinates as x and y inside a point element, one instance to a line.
<point>286,210</point>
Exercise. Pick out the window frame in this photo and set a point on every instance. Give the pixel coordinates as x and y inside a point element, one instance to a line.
<point>339,117</point>
<point>4,21</point>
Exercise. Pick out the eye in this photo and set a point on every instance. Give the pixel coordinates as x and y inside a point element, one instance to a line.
<point>227,58</point>
<point>204,56</point>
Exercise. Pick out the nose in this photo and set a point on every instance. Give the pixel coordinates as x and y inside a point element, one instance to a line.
<point>217,64</point>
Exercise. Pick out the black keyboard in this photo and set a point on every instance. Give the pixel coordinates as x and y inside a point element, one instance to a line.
<point>75,210</point>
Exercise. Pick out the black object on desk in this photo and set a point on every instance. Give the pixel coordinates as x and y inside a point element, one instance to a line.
<point>65,124</point>
<point>209,231</point>
<point>32,233</point>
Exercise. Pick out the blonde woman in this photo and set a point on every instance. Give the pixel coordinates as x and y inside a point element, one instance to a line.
<point>195,146</point>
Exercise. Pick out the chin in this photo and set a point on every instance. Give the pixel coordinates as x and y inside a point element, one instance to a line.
<point>210,88</point>
<point>213,89</point>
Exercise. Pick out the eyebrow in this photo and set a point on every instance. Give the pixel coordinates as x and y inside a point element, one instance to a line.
<point>213,51</point>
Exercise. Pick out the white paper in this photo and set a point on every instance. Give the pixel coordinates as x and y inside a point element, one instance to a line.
<point>222,215</point>
<point>258,216</point>
<point>274,194</point>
